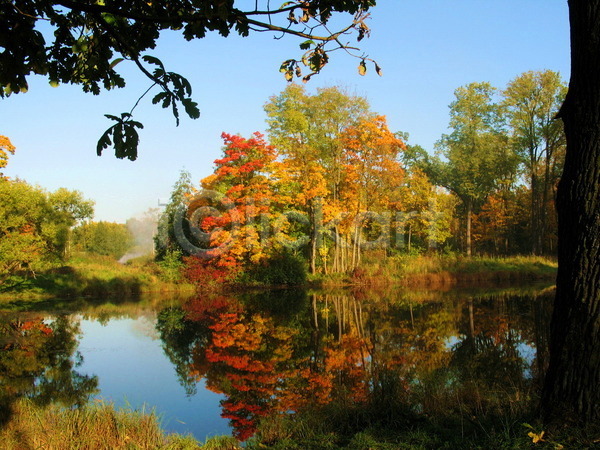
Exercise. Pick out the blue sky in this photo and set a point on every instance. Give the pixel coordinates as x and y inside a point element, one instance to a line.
<point>427,48</point>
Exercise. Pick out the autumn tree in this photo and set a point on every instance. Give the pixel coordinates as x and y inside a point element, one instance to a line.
<point>83,43</point>
<point>306,130</point>
<point>494,225</point>
<point>476,152</point>
<point>372,173</point>
<point>241,234</point>
<point>532,101</point>
<point>6,149</point>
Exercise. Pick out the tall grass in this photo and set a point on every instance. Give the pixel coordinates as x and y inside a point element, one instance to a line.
<point>98,426</point>
<point>438,269</point>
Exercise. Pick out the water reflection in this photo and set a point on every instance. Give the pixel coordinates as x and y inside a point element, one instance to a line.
<point>389,352</point>
<point>38,360</point>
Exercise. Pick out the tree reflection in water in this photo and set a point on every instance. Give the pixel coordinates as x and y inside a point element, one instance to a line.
<point>377,355</point>
<point>38,361</point>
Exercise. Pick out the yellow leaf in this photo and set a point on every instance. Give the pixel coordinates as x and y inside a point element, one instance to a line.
<point>535,437</point>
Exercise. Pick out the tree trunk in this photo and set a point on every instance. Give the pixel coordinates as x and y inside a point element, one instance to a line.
<point>316,223</point>
<point>572,384</point>
<point>544,209</point>
<point>535,213</point>
<point>469,214</point>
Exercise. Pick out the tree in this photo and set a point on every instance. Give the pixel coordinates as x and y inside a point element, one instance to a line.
<point>89,40</point>
<point>67,209</point>
<point>572,384</point>
<point>371,165</point>
<point>6,149</point>
<point>478,158</point>
<point>240,235</point>
<point>103,238</point>
<point>165,241</point>
<point>23,209</point>
<point>532,101</point>
<point>306,130</point>
<point>35,225</point>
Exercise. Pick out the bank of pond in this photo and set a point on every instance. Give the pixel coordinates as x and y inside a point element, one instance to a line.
<point>86,276</point>
<point>362,367</point>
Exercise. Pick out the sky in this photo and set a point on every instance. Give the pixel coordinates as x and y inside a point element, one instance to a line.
<point>426,48</point>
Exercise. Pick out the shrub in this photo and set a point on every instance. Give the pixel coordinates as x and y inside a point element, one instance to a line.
<point>171,266</point>
<point>284,268</point>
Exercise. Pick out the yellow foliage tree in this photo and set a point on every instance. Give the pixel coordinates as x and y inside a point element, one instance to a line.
<point>6,149</point>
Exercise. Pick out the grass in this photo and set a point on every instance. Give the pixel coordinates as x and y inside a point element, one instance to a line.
<point>458,427</point>
<point>92,276</point>
<point>443,270</point>
<point>101,426</point>
<point>98,426</point>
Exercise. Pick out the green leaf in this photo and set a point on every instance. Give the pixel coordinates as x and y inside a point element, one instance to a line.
<point>306,44</point>
<point>116,61</point>
<point>153,60</point>
<point>191,108</point>
<point>125,138</point>
<point>158,97</point>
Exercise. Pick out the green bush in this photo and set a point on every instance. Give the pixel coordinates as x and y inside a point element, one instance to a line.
<point>284,268</point>
<point>171,266</point>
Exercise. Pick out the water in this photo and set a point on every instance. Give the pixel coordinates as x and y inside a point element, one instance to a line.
<point>127,357</point>
<point>217,365</point>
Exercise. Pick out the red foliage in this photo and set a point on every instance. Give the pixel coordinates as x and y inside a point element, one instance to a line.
<point>202,272</point>
<point>209,307</point>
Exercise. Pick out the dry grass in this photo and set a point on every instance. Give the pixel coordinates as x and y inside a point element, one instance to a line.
<point>98,426</point>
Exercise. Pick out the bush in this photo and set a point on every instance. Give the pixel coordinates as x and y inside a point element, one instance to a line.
<point>170,266</point>
<point>284,268</point>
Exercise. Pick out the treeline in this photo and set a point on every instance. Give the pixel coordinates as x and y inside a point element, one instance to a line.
<point>36,226</point>
<point>332,181</point>
<point>41,230</point>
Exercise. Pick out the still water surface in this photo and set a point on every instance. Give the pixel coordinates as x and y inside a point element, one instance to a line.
<point>216,365</point>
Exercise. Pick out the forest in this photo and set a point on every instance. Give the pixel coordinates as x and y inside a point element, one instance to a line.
<point>330,183</point>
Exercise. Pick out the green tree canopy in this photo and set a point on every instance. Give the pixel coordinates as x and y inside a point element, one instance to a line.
<point>35,225</point>
<point>103,238</point>
<point>533,100</point>
<point>476,152</point>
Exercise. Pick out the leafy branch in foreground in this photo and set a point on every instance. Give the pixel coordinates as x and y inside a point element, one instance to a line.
<point>88,40</point>
<point>125,138</point>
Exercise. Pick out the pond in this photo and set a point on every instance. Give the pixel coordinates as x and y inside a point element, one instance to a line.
<point>218,364</point>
